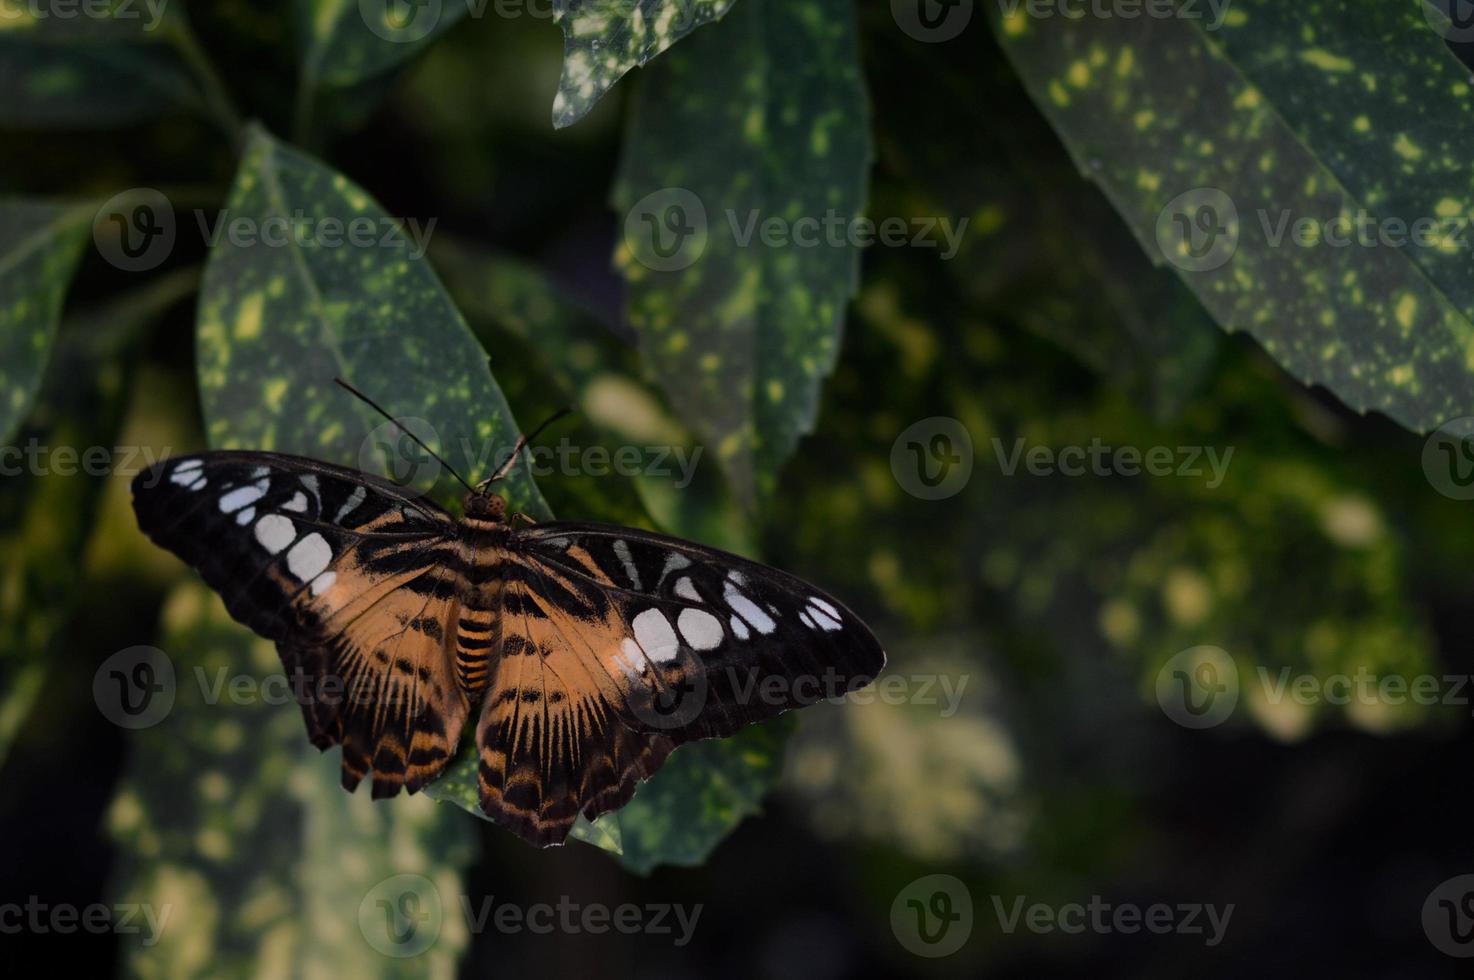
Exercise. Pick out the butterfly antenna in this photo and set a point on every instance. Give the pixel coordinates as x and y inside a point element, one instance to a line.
<point>506,467</point>
<point>418,441</point>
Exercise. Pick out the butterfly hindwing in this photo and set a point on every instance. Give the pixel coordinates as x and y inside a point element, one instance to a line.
<point>352,577</point>
<point>618,645</point>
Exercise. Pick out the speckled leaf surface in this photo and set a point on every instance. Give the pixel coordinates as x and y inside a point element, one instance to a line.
<point>682,491</point>
<point>40,245</point>
<point>236,828</point>
<point>1287,113</point>
<point>761,119</point>
<point>278,321</point>
<point>604,39</point>
<point>59,72</point>
<point>343,43</point>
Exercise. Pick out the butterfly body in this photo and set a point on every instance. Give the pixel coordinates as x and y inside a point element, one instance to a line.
<point>589,652</point>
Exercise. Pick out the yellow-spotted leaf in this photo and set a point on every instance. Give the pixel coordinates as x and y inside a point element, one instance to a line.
<point>309,279</point>
<point>604,39</point>
<point>743,181</point>
<point>1302,167</point>
<point>39,247</point>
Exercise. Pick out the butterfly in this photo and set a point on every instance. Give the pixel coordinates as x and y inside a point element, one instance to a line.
<point>589,652</point>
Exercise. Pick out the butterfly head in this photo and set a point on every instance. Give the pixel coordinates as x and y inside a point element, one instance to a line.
<point>484,505</point>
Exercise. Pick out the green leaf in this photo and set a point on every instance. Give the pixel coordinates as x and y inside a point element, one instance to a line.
<point>1285,113</point>
<point>505,296</point>
<point>278,321</point>
<point>762,118</point>
<point>348,47</point>
<point>80,71</point>
<point>40,245</point>
<point>231,821</point>
<point>603,39</point>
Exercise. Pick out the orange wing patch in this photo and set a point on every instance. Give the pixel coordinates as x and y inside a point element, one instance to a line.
<point>556,736</point>
<point>380,673</point>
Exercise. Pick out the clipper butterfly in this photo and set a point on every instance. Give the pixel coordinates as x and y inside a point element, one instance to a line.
<point>585,653</point>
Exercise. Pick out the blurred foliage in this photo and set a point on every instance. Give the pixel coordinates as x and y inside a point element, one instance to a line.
<point>233,827</point>
<point>1050,603</point>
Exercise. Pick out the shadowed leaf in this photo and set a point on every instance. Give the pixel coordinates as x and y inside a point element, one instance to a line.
<point>1253,155</point>
<point>62,71</point>
<point>282,314</point>
<point>40,245</point>
<point>761,119</point>
<point>230,821</point>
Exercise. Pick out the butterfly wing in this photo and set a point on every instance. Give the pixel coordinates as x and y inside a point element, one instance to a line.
<point>619,645</point>
<point>354,579</point>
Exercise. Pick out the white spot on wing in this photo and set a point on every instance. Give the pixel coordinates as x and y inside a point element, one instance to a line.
<point>309,557</point>
<point>275,532</point>
<point>323,582</point>
<point>739,628</point>
<point>827,607</point>
<point>355,498</point>
<point>686,590</point>
<point>748,609</point>
<point>298,503</point>
<point>803,617</point>
<point>622,552</point>
<point>822,619</point>
<point>189,464</point>
<point>246,516</point>
<point>632,662</point>
<point>701,630</point>
<point>242,496</point>
<point>674,562</point>
<point>655,636</point>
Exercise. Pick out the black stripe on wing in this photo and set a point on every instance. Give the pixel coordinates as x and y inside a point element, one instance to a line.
<point>265,528</point>
<point>763,641</point>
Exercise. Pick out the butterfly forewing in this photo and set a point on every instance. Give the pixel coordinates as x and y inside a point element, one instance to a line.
<point>355,580</point>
